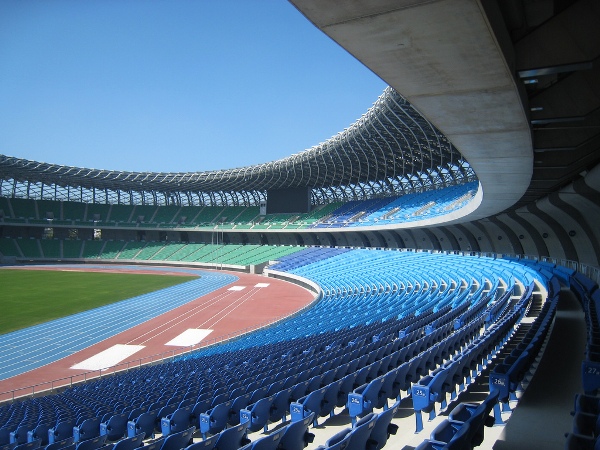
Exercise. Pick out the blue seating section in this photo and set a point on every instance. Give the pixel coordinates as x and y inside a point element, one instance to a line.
<point>407,208</point>
<point>387,323</point>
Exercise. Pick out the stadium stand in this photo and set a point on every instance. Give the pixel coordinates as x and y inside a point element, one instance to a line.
<point>324,358</point>
<point>394,330</point>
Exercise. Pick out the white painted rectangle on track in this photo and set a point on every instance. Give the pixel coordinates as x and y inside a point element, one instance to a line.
<point>189,337</point>
<point>236,288</point>
<point>261,285</point>
<point>109,357</point>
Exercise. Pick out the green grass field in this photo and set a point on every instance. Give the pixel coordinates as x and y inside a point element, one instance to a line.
<point>29,297</point>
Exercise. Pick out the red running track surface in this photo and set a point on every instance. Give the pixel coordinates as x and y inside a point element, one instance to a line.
<point>225,311</point>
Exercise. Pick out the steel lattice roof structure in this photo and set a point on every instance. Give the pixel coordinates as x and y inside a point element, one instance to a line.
<point>390,150</point>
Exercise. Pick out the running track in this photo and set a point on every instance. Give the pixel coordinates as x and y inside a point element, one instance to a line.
<point>219,301</point>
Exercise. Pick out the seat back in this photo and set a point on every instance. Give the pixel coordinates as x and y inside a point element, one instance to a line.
<point>177,441</point>
<point>63,430</point>
<point>59,444</point>
<point>143,424</point>
<point>296,435</point>
<point>29,445</point>
<point>91,444</point>
<point>130,443</point>
<point>270,442</point>
<point>384,427</point>
<point>115,428</point>
<point>233,438</point>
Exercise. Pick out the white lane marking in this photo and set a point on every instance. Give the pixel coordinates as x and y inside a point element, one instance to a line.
<point>108,357</point>
<point>191,336</point>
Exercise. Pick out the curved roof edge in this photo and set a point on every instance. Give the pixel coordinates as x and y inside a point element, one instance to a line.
<point>445,59</point>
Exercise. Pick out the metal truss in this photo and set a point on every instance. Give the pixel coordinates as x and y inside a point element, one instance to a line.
<point>391,150</point>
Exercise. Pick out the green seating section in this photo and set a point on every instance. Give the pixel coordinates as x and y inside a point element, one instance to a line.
<point>72,248</point>
<point>74,211</point>
<point>208,214</point>
<point>49,206</point>
<point>165,214</point>
<point>185,253</point>
<point>5,207</point>
<point>149,250</point>
<point>248,215</point>
<point>8,247</point>
<point>230,254</point>
<point>112,249</point>
<point>121,213</point>
<point>131,249</point>
<point>150,216</point>
<point>51,248</point>
<point>92,249</point>
<point>186,215</point>
<point>166,251</point>
<point>30,247</point>
<point>143,213</point>
<point>25,208</point>
<point>97,211</point>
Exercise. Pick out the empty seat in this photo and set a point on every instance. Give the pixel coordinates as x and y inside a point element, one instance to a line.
<point>296,435</point>
<point>63,430</point>
<point>233,438</point>
<point>89,429</point>
<point>92,443</point>
<point>59,444</point>
<point>39,432</point>
<point>143,424</point>
<point>180,420</point>
<point>270,442</point>
<point>383,428</point>
<point>177,441</point>
<point>29,445</point>
<point>115,428</point>
<point>130,443</point>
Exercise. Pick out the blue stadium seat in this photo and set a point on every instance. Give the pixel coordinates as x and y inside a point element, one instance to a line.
<point>361,432</point>
<point>60,444</point>
<point>39,432</point>
<point>179,420</point>
<point>177,441</point>
<point>477,415</point>
<point>296,435</point>
<point>384,427</point>
<point>269,442</point>
<point>29,445</point>
<point>364,398</point>
<point>256,416</point>
<point>115,428</point>
<point>143,424</point>
<point>92,443</point>
<point>313,402</point>
<point>20,434</point>
<point>63,430</point>
<point>215,419</point>
<point>579,442</point>
<point>456,442</point>
<point>339,441</point>
<point>232,438</point>
<point>89,429</point>
<point>130,443</point>
<point>280,405</point>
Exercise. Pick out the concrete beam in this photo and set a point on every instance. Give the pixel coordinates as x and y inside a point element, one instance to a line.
<point>444,57</point>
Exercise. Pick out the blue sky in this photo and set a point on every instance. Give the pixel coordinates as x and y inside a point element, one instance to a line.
<point>171,86</point>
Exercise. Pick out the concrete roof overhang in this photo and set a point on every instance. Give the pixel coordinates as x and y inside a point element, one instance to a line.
<point>445,59</point>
